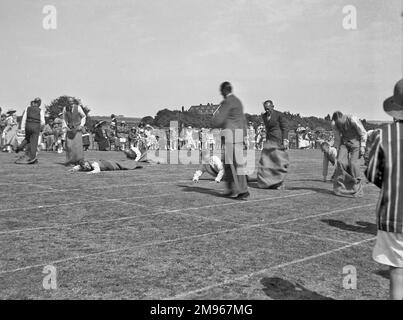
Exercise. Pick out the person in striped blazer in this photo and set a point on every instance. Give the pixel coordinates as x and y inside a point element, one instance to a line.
<point>385,170</point>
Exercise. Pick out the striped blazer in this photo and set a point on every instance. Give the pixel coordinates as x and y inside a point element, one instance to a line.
<point>385,169</point>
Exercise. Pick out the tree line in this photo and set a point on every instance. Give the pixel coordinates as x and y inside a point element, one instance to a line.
<point>163,118</point>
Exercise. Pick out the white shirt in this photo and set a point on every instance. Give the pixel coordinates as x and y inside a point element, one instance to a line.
<point>356,126</point>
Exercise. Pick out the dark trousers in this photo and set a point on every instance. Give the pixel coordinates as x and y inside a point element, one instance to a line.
<point>32,131</point>
<point>234,166</point>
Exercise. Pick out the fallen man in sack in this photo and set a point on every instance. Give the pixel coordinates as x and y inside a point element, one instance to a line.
<point>92,167</point>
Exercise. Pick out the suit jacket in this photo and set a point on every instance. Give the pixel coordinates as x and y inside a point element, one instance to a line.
<point>276,127</point>
<point>231,118</point>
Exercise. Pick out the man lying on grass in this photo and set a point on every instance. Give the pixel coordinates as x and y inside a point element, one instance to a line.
<point>105,165</point>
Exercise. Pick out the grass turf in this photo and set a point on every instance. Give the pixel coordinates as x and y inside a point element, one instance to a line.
<point>153,234</point>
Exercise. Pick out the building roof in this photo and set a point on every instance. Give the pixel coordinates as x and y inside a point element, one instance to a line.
<point>204,108</point>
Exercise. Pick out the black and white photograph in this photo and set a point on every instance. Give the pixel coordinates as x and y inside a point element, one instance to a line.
<point>211,153</point>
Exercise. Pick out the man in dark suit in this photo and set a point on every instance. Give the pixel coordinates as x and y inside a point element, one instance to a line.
<point>230,117</point>
<point>273,164</point>
<point>276,125</point>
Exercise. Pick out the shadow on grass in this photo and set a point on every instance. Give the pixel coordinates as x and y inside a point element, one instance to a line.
<point>193,188</point>
<point>383,273</point>
<point>362,227</point>
<point>280,289</point>
<point>319,190</point>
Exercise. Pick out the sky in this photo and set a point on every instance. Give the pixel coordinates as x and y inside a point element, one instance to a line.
<point>135,57</point>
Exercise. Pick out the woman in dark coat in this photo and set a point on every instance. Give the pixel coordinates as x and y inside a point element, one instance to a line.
<point>100,137</point>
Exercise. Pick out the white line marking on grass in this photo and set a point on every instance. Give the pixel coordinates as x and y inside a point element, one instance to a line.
<point>265,225</point>
<point>132,185</point>
<point>24,183</point>
<point>28,193</point>
<point>266,228</point>
<point>84,202</point>
<point>154,243</point>
<point>306,235</point>
<point>284,221</point>
<point>95,188</point>
<point>180,210</point>
<point>252,274</point>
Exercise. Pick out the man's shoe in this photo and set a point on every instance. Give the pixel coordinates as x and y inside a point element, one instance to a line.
<point>22,160</point>
<point>243,196</point>
<point>25,160</point>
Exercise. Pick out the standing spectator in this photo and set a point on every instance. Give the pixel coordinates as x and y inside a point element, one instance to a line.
<point>350,140</point>
<point>73,123</point>
<point>190,143</point>
<point>173,138</point>
<point>59,135</point>
<point>86,138</point>
<point>101,137</point>
<point>113,135</point>
<point>182,137</point>
<point>273,164</point>
<point>48,135</point>
<point>2,127</point>
<point>203,139</point>
<point>385,170</point>
<point>132,137</point>
<point>210,139</point>
<point>251,137</point>
<point>260,137</point>
<point>230,117</point>
<point>123,136</point>
<point>114,125</point>
<point>32,122</point>
<point>199,142</point>
<point>10,131</point>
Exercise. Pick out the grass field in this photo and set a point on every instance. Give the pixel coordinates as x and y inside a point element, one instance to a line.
<point>153,234</point>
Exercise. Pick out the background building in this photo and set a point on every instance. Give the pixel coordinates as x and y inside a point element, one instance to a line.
<point>204,108</point>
